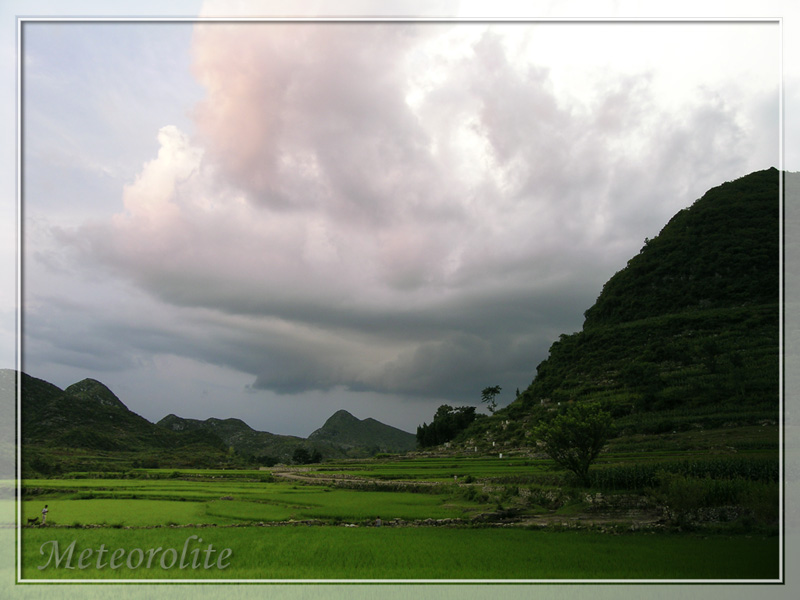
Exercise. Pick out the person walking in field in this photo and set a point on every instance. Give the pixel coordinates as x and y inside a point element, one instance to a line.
<point>44,514</point>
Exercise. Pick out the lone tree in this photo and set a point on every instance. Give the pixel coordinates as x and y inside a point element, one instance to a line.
<point>301,456</point>
<point>575,438</point>
<point>488,394</point>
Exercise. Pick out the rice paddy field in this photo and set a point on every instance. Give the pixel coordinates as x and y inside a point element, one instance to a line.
<point>271,503</point>
<point>440,519</point>
<point>337,553</point>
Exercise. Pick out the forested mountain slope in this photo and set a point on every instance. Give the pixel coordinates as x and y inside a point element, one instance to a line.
<point>685,335</point>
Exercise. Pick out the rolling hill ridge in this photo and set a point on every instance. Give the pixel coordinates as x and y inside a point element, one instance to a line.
<point>87,427</point>
<point>342,435</point>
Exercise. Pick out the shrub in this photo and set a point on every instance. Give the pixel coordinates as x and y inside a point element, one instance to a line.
<point>685,496</point>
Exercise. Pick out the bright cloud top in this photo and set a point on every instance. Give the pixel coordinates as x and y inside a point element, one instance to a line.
<point>415,208</point>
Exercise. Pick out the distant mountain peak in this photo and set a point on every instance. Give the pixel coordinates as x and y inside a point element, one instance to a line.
<point>344,429</point>
<point>93,389</point>
<point>176,423</point>
<point>342,416</point>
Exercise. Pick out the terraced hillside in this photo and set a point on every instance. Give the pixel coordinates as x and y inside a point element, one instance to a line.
<point>684,337</point>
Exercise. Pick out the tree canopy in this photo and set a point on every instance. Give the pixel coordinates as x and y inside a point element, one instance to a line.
<point>447,423</point>
<point>575,438</point>
<point>488,396</point>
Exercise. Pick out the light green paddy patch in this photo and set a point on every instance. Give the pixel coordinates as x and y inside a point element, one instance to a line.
<point>118,513</point>
<point>161,502</point>
<point>305,502</point>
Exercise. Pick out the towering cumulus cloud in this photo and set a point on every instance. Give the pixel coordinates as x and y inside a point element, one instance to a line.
<point>402,208</point>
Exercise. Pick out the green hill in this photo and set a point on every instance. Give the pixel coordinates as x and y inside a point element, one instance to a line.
<point>685,336</point>
<point>86,427</point>
<point>722,252</point>
<point>346,431</point>
<point>264,447</point>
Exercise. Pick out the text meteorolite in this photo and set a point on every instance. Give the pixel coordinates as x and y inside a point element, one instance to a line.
<point>165,558</point>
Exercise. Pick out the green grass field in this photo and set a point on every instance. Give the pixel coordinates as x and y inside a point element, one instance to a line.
<point>305,552</point>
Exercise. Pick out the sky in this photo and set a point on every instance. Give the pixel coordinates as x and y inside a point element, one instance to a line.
<point>275,221</point>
